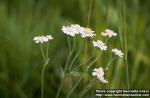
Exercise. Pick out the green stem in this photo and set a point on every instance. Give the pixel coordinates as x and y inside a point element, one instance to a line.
<point>47,50</point>
<point>69,43</point>
<point>82,63</point>
<point>94,61</point>
<point>81,77</point>
<point>46,60</point>
<point>89,15</point>
<point>91,83</point>
<point>42,91</point>
<point>107,5</point>
<point>70,54</point>
<point>66,65</point>
<point>43,53</point>
<point>74,87</point>
<point>110,62</point>
<point>125,44</point>
<point>74,59</point>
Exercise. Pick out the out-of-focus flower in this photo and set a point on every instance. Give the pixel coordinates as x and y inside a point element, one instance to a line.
<point>72,30</point>
<point>68,30</point>
<point>117,52</point>
<point>99,44</point>
<point>49,37</point>
<point>87,33</point>
<point>99,73</point>
<point>109,33</point>
<point>77,28</point>
<point>42,39</point>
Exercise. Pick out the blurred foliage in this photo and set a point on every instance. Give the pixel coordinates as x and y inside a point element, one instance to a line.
<point>21,60</point>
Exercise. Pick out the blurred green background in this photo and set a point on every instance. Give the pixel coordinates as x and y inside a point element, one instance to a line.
<point>21,59</point>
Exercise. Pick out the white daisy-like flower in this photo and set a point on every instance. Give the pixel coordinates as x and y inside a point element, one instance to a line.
<point>72,30</point>
<point>77,28</point>
<point>117,52</point>
<point>49,37</point>
<point>99,44</point>
<point>99,73</point>
<point>42,39</point>
<point>87,32</point>
<point>68,30</point>
<point>109,33</point>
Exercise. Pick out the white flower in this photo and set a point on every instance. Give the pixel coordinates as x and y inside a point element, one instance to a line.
<point>72,30</point>
<point>87,33</point>
<point>117,52</point>
<point>109,33</point>
<point>42,39</point>
<point>99,44</point>
<point>99,73</point>
<point>77,28</point>
<point>49,37</point>
<point>68,30</point>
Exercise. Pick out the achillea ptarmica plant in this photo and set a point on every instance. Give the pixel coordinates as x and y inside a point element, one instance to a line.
<point>100,45</point>
<point>117,52</point>
<point>99,73</point>
<point>42,39</point>
<point>109,33</point>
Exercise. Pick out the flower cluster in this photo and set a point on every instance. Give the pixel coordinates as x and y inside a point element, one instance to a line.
<point>72,30</point>
<point>109,33</point>
<point>42,39</point>
<point>99,44</point>
<point>117,52</point>
<point>75,29</point>
<point>87,33</point>
<point>99,73</point>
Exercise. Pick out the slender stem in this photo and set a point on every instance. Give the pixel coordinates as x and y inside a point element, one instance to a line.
<point>85,56</point>
<point>89,85</point>
<point>107,5</point>
<point>89,15</point>
<point>107,41</point>
<point>47,50</point>
<point>74,59</point>
<point>110,62</point>
<point>46,60</point>
<point>93,61</point>
<point>66,65</point>
<point>82,63</point>
<point>74,87</point>
<point>42,91</point>
<point>81,77</point>
<point>125,44</point>
<point>69,43</point>
<point>43,53</point>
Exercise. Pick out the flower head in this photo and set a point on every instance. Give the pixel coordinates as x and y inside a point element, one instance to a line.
<point>99,73</point>
<point>68,30</point>
<point>77,28</point>
<point>42,39</point>
<point>99,44</point>
<point>49,37</point>
<point>87,33</point>
<point>117,52</point>
<point>72,30</point>
<point>109,33</point>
